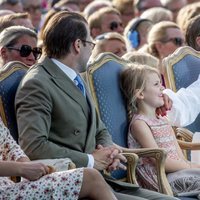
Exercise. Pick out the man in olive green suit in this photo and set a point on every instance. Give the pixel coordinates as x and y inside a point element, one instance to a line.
<point>55,114</point>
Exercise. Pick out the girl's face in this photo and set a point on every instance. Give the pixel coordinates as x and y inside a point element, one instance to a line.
<point>152,94</point>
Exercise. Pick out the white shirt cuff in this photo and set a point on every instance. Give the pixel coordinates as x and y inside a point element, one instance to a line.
<point>90,161</point>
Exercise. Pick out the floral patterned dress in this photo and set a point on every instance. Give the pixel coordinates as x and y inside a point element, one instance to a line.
<point>59,185</point>
<point>183,182</point>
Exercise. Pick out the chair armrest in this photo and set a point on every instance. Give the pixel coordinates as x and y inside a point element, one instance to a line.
<point>160,156</point>
<point>183,134</point>
<point>132,160</point>
<point>189,145</point>
<point>185,139</point>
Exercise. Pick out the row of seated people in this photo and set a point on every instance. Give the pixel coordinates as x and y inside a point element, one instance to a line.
<point>106,156</point>
<point>24,52</point>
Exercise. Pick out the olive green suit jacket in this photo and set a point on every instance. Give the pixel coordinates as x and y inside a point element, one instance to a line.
<point>54,119</point>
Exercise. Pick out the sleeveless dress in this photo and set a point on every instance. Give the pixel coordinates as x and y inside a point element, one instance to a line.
<point>59,185</point>
<point>183,182</point>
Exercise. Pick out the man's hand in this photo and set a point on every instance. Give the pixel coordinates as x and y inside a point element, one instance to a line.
<point>102,158</point>
<point>116,164</point>
<point>116,158</point>
<point>32,171</point>
<point>167,106</point>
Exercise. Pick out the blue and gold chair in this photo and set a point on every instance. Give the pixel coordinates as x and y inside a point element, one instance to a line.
<point>103,80</point>
<point>181,69</point>
<point>10,77</point>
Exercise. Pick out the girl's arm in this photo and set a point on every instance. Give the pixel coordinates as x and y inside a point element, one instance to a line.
<point>142,133</point>
<point>28,170</point>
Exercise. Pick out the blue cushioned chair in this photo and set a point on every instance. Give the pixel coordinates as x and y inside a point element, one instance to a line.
<point>181,69</point>
<point>10,77</point>
<point>103,80</point>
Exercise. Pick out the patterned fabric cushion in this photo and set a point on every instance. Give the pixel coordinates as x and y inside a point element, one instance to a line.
<point>111,104</point>
<point>186,71</point>
<point>8,88</point>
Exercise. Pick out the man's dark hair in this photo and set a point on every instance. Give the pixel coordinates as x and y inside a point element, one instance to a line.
<point>62,30</point>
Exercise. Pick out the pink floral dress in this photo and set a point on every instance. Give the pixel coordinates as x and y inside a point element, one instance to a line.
<point>59,185</point>
<point>183,182</point>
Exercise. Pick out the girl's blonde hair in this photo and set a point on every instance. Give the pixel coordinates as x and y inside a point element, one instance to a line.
<point>132,81</point>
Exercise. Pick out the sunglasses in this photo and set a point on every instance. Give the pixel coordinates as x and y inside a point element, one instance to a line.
<point>26,50</point>
<point>114,25</point>
<point>177,41</point>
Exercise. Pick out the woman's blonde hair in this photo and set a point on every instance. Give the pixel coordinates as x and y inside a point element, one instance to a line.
<point>133,81</point>
<point>158,33</point>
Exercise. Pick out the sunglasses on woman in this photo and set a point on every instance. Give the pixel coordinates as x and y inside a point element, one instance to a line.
<point>176,41</point>
<point>26,50</point>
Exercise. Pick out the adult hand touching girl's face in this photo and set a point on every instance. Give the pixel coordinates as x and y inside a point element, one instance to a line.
<point>167,106</point>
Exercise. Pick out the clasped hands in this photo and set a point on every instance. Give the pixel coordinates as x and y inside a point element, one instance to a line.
<point>108,158</point>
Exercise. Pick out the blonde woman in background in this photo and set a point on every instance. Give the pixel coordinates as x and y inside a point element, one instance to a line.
<point>163,39</point>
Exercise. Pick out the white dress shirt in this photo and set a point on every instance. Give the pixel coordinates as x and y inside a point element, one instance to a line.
<point>72,75</point>
<point>186,104</point>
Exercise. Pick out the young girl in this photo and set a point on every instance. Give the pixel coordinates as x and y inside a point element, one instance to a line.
<point>39,183</point>
<point>142,89</point>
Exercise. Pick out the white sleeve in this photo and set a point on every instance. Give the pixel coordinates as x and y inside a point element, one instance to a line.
<point>186,104</point>
<point>90,161</point>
